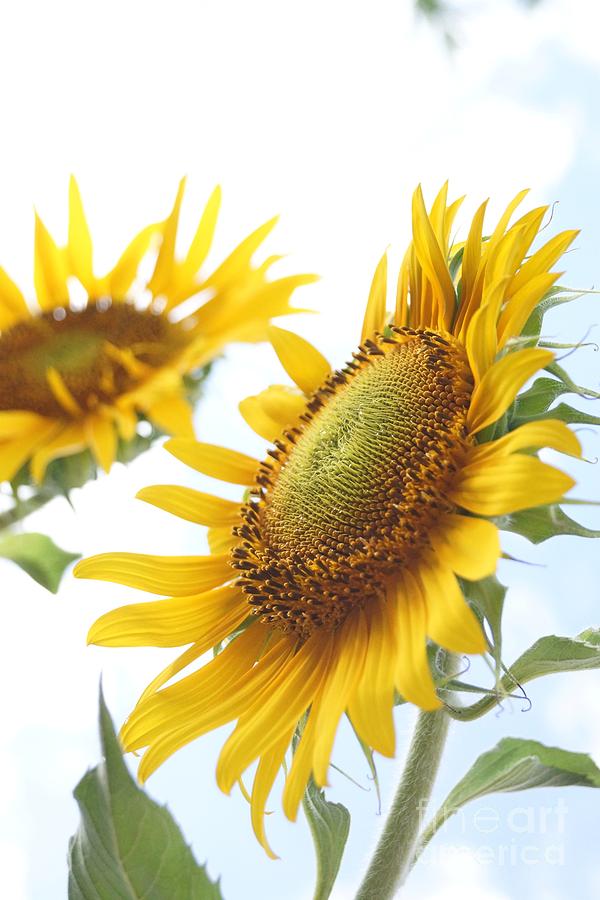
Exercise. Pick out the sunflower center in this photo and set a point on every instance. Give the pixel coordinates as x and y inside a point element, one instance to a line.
<point>353,490</point>
<point>99,353</point>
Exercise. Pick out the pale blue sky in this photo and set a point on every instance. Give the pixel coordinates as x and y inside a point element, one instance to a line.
<point>330,112</point>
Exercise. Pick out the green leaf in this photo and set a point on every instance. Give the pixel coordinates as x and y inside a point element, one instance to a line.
<point>553,654</point>
<point>128,847</point>
<point>487,596</point>
<point>329,825</point>
<point>37,555</point>
<point>515,765</point>
<point>543,522</point>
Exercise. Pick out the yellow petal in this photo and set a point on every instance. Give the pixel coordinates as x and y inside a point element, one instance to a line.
<point>238,261</point>
<point>470,294</point>
<point>13,307</point>
<point>176,575</point>
<point>203,509</point>
<point>102,439</point>
<point>268,768</point>
<point>15,451</point>
<point>533,435</point>
<point>217,462</point>
<point>220,540</point>
<point>468,546</point>
<point>297,778</point>
<point>451,622</point>
<point>433,262</point>
<point>413,675</point>
<point>303,362</point>
<point>173,414</point>
<point>501,383</point>
<point>16,423</point>
<point>543,260</point>
<point>257,634</point>
<point>203,238</point>
<point>346,668</point>
<point>203,709</point>
<point>172,622</point>
<point>61,392</point>
<point>163,269</point>
<point>80,241</point>
<point>521,305</point>
<point>119,280</point>
<point>371,707</point>
<point>375,313</point>
<point>482,344</point>
<point>275,710</point>
<point>274,409</point>
<point>509,484</point>
<point>49,269</point>
<point>69,440</point>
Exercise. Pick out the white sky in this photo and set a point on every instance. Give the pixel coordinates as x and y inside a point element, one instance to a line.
<point>329,112</point>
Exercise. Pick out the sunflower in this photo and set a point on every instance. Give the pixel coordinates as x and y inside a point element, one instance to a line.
<point>79,376</point>
<point>326,583</point>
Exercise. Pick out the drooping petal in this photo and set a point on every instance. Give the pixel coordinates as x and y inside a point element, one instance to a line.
<point>267,770</point>
<point>347,660</point>
<point>275,710</point>
<point>203,710</point>
<point>451,622</point>
<point>468,546</point>
<point>371,706</point>
<point>413,675</point>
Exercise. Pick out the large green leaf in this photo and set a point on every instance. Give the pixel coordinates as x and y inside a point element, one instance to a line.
<point>329,825</point>
<point>37,555</point>
<point>558,654</point>
<point>515,765</point>
<point>128,847</point>
<point>543,522</point>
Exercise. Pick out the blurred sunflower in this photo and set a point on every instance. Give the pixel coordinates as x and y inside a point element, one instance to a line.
<point>327,581</point>
<point>74,377</point>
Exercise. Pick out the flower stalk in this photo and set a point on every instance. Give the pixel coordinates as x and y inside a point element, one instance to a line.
<point>394,853</point>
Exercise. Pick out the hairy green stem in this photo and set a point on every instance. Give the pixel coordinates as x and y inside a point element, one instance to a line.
<point>394,853</point>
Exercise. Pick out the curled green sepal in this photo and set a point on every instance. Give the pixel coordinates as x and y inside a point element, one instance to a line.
<point>549,655</point>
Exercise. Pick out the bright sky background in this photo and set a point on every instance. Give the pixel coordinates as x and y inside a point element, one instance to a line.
<point>329,112</point>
